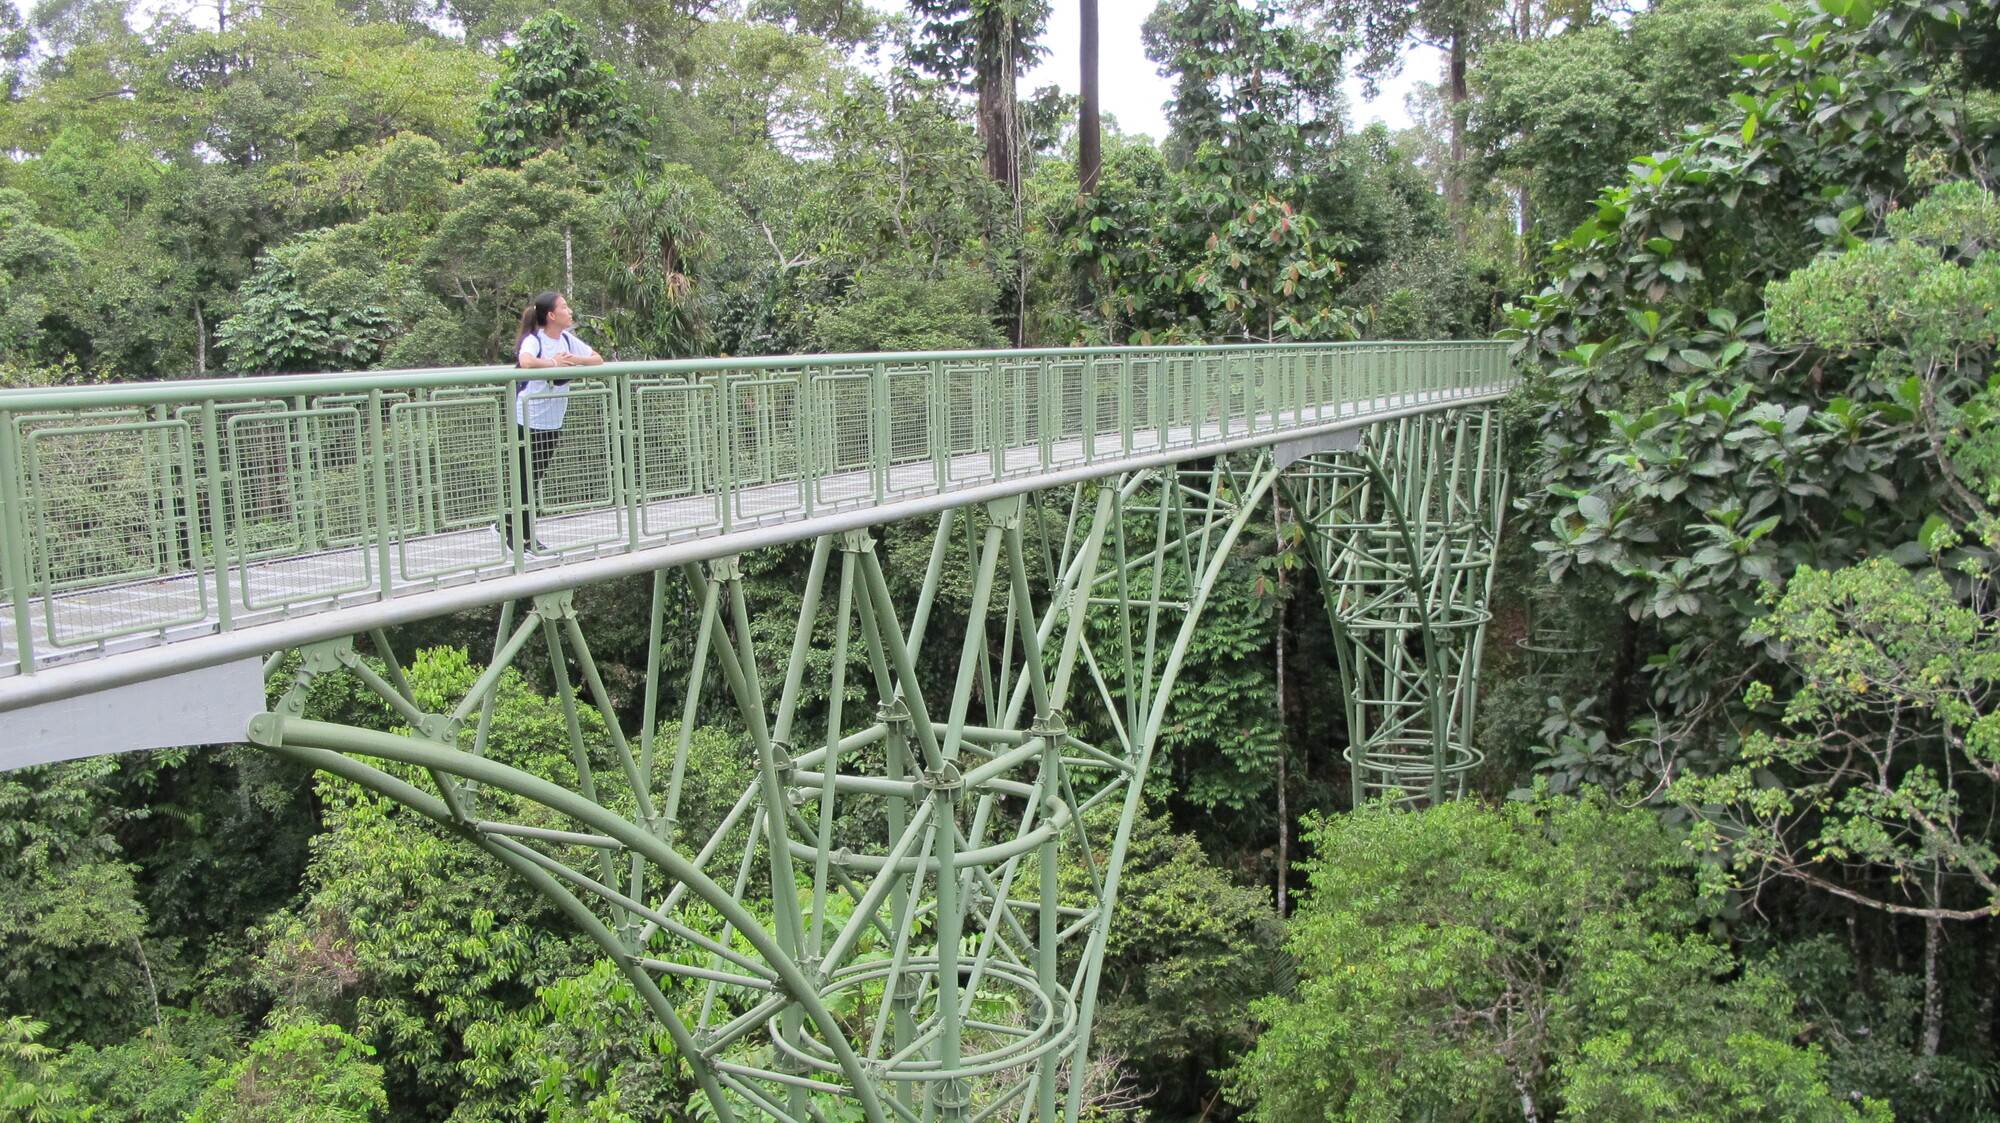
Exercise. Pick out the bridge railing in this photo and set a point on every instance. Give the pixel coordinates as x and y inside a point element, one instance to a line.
<point>133,513</point>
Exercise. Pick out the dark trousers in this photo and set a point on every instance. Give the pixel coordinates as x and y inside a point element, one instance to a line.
<point>538,447</point>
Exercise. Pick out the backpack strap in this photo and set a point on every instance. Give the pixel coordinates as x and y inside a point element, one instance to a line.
<point>537,337</point>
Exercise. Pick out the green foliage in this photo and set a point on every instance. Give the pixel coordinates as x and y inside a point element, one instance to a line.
<point>71,893</point>
<point>31,1089</point>
<point>1928,291</point>
<point>1468,962</point>
<point>1674,432</point>
<point>1562,116</point>
<point>1222,726</point>
<point>478,992</point>
<point>1178,978</point>
<point>289,325</point>
<point>900,202</point>
<point>407,934</point>
<point>1382,28</point>
<point>354,295</point>
<point>1779,487</point>
<point>1220,739</point>
<point>34,260</point>
<point>502,240</point>
<point>1870,1035</point>
<point>1427,291</point>
<point>893,307</point>
<point>158,1075</point>
<point>1257,88</point>
<point>1220,243</point>
<point>587,1049</point>
<point>170,163</point>
<point>964,42</point>
<point>298,1073</point>
<point>551,97</point>
<point>665,233</point>
<point>1889,741</point>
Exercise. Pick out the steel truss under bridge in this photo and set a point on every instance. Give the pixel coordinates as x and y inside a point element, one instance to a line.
<point>923,962</point>
<point>1402,531</point>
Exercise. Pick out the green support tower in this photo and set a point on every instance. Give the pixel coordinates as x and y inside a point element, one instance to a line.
<point>1402,530</point>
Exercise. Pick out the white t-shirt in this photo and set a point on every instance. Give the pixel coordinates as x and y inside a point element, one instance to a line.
<point>539,403</point>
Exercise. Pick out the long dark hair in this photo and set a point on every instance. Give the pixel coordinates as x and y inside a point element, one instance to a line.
<point>536,316</point>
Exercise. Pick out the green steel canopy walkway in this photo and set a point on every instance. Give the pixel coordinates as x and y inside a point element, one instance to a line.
<point>174,556</point>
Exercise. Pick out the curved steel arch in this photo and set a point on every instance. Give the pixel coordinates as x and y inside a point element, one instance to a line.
<point>909,971</point>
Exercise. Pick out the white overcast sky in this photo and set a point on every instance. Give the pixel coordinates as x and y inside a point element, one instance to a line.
<point>1134,92</point>
<point>1131,86</point>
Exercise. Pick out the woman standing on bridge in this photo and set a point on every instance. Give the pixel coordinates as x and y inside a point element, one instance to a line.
<point>545,342</point>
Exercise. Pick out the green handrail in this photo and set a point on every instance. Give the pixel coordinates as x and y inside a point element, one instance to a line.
<point>138,513</point>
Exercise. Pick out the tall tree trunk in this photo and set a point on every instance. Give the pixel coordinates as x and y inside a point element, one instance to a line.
<point>1089,156</point>
<point>1864,967</point>
<point>200,341</point>
<point>1989,954</point>
<point>1284,746</point>
<point>152,989</point>
<point>569,269</point>
<point>1020,335</point>
<point>1524,203</point>
<point>998,115</point>
<point>1933,984</point>
<point>999,124</point>
<point>1529,1113</point>
<point>1624,665</point>
<point>1458,92</point>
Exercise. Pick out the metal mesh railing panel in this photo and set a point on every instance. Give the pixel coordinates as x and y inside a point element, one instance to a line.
<point>1143,422</point>
<point>206,490</point>
<point>909,412</point>
<point>581,480</point>
<point>847,458</point>
<point>300,495</point>
<point>908,429</point>
<point>1237,380</point>
<point>1104,413</point>
<point>767,435</point>
<point>110,506</point>
<point>1017,401</point>
<point>1068,393</point>
<point>968,420</point>
<point>452,470</point>
<point>674,468</point>
<point>1178,375</point>
<point>1212,396</point>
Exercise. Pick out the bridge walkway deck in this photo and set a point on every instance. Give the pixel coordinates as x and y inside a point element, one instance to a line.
<point>469,556</point>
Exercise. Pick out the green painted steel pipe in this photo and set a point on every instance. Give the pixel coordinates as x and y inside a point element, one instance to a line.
<point>196,390</point>
<point>15,543</point>
<point>276,732</point>
<point>334,762</point>
<point>1262,479</point>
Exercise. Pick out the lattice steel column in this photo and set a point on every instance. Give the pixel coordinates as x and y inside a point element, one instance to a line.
<point>1551,642</point>
<point>917,959</point>
<point>1403,531</point>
